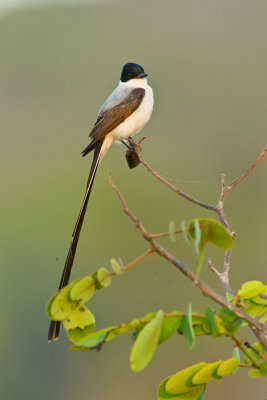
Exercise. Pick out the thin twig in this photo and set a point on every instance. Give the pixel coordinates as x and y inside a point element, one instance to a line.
<point>244,350</point>
<point>164,234</point>
<point>247,366</point>
<point>222,276</point>
<point>206,290</point>
<point>149,251</point>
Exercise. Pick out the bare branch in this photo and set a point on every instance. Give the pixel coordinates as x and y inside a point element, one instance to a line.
<point>162,180</point>
<point>226,189</point>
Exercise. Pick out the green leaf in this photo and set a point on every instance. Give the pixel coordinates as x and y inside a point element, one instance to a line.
<point>250,289</point>
<point>263,368</point>
<point>260,300</point>
<point>205,374</point>
<point>147,318</point>
<point>77,334</point>
<point>226,316</point>
<point>253,354</point>
<point>254,373</point>
<point>103,278</point>
<point>229,297</point>
<point>185,233</point>
<point>212,232</point>
<point>196,234</point>
<point>201,397</point>
<point>162,394</point>
<point>228,367</point>
<point>192,395</point>
<point>172,231</point>
<point>215,325</point>
<point>197,321</point>
<point>49,305</point>
<point>254,309</point>
<point>188,328</point>
<point>169,325</point>
<point>94,339</point>
<point>120,262</point>
<point>79,318</point>
<point>146,343</point>
<point>115,266</point>
<point>209,313</point>
<point>234,326</point>
<point>61,307</point>
<point>82,289</point>
<point>182,381</point>
<point>236,354</point>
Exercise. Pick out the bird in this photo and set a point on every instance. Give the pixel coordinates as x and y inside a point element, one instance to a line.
<point>124,113</point>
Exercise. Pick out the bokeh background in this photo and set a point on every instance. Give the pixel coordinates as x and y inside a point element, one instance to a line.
<point>207,63</point>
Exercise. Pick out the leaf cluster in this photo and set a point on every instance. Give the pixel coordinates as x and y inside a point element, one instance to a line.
<point>190,383</point>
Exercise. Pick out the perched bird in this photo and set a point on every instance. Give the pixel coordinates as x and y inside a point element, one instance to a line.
<point>125,112</point>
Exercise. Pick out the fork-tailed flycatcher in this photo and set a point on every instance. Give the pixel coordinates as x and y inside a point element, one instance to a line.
<point>125,112</point>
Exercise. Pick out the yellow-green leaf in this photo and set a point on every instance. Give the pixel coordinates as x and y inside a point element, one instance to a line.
<point>82,289</point>
<point>185,233</point>
<point>146,343</point>
<point>79,318</point>
<point>228,367</point>
<point>182,381</point>
<point>77,334</point>
<point>103,277</point>
<point>188,328</point>
<point>192,395</point>
<point>61,307</point>
<point>115,266</point>
<point>250,289</point>
<point>206,374</point>
<point>94,339</point>
<point>263,368</point>
<point>170,324</point>
<point>211,231</point>
<point>254,373</point>
<point>49,305</point>
<point>260,300</point>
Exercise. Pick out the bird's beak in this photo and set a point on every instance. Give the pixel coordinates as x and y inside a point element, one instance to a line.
<point>142,75</point>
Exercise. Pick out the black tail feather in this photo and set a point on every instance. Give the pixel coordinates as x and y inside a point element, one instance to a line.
<point>88,148</point>
<point>55,325</point>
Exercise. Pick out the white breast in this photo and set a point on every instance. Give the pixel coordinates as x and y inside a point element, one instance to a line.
<point>138,119</point>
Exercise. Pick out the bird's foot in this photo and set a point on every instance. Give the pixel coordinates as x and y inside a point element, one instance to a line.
<point>127,144</point>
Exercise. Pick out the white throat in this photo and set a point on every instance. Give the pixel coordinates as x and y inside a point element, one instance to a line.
<point>134,83</point>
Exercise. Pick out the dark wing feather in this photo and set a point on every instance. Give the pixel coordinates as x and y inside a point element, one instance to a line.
<point>110,119</point>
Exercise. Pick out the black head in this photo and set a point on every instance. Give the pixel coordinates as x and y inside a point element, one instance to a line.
<point>132,71</point>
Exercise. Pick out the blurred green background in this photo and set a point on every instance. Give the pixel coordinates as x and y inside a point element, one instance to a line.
<point>207,64</point>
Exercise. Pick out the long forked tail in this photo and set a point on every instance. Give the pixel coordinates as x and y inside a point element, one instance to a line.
<point>54,327</point>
